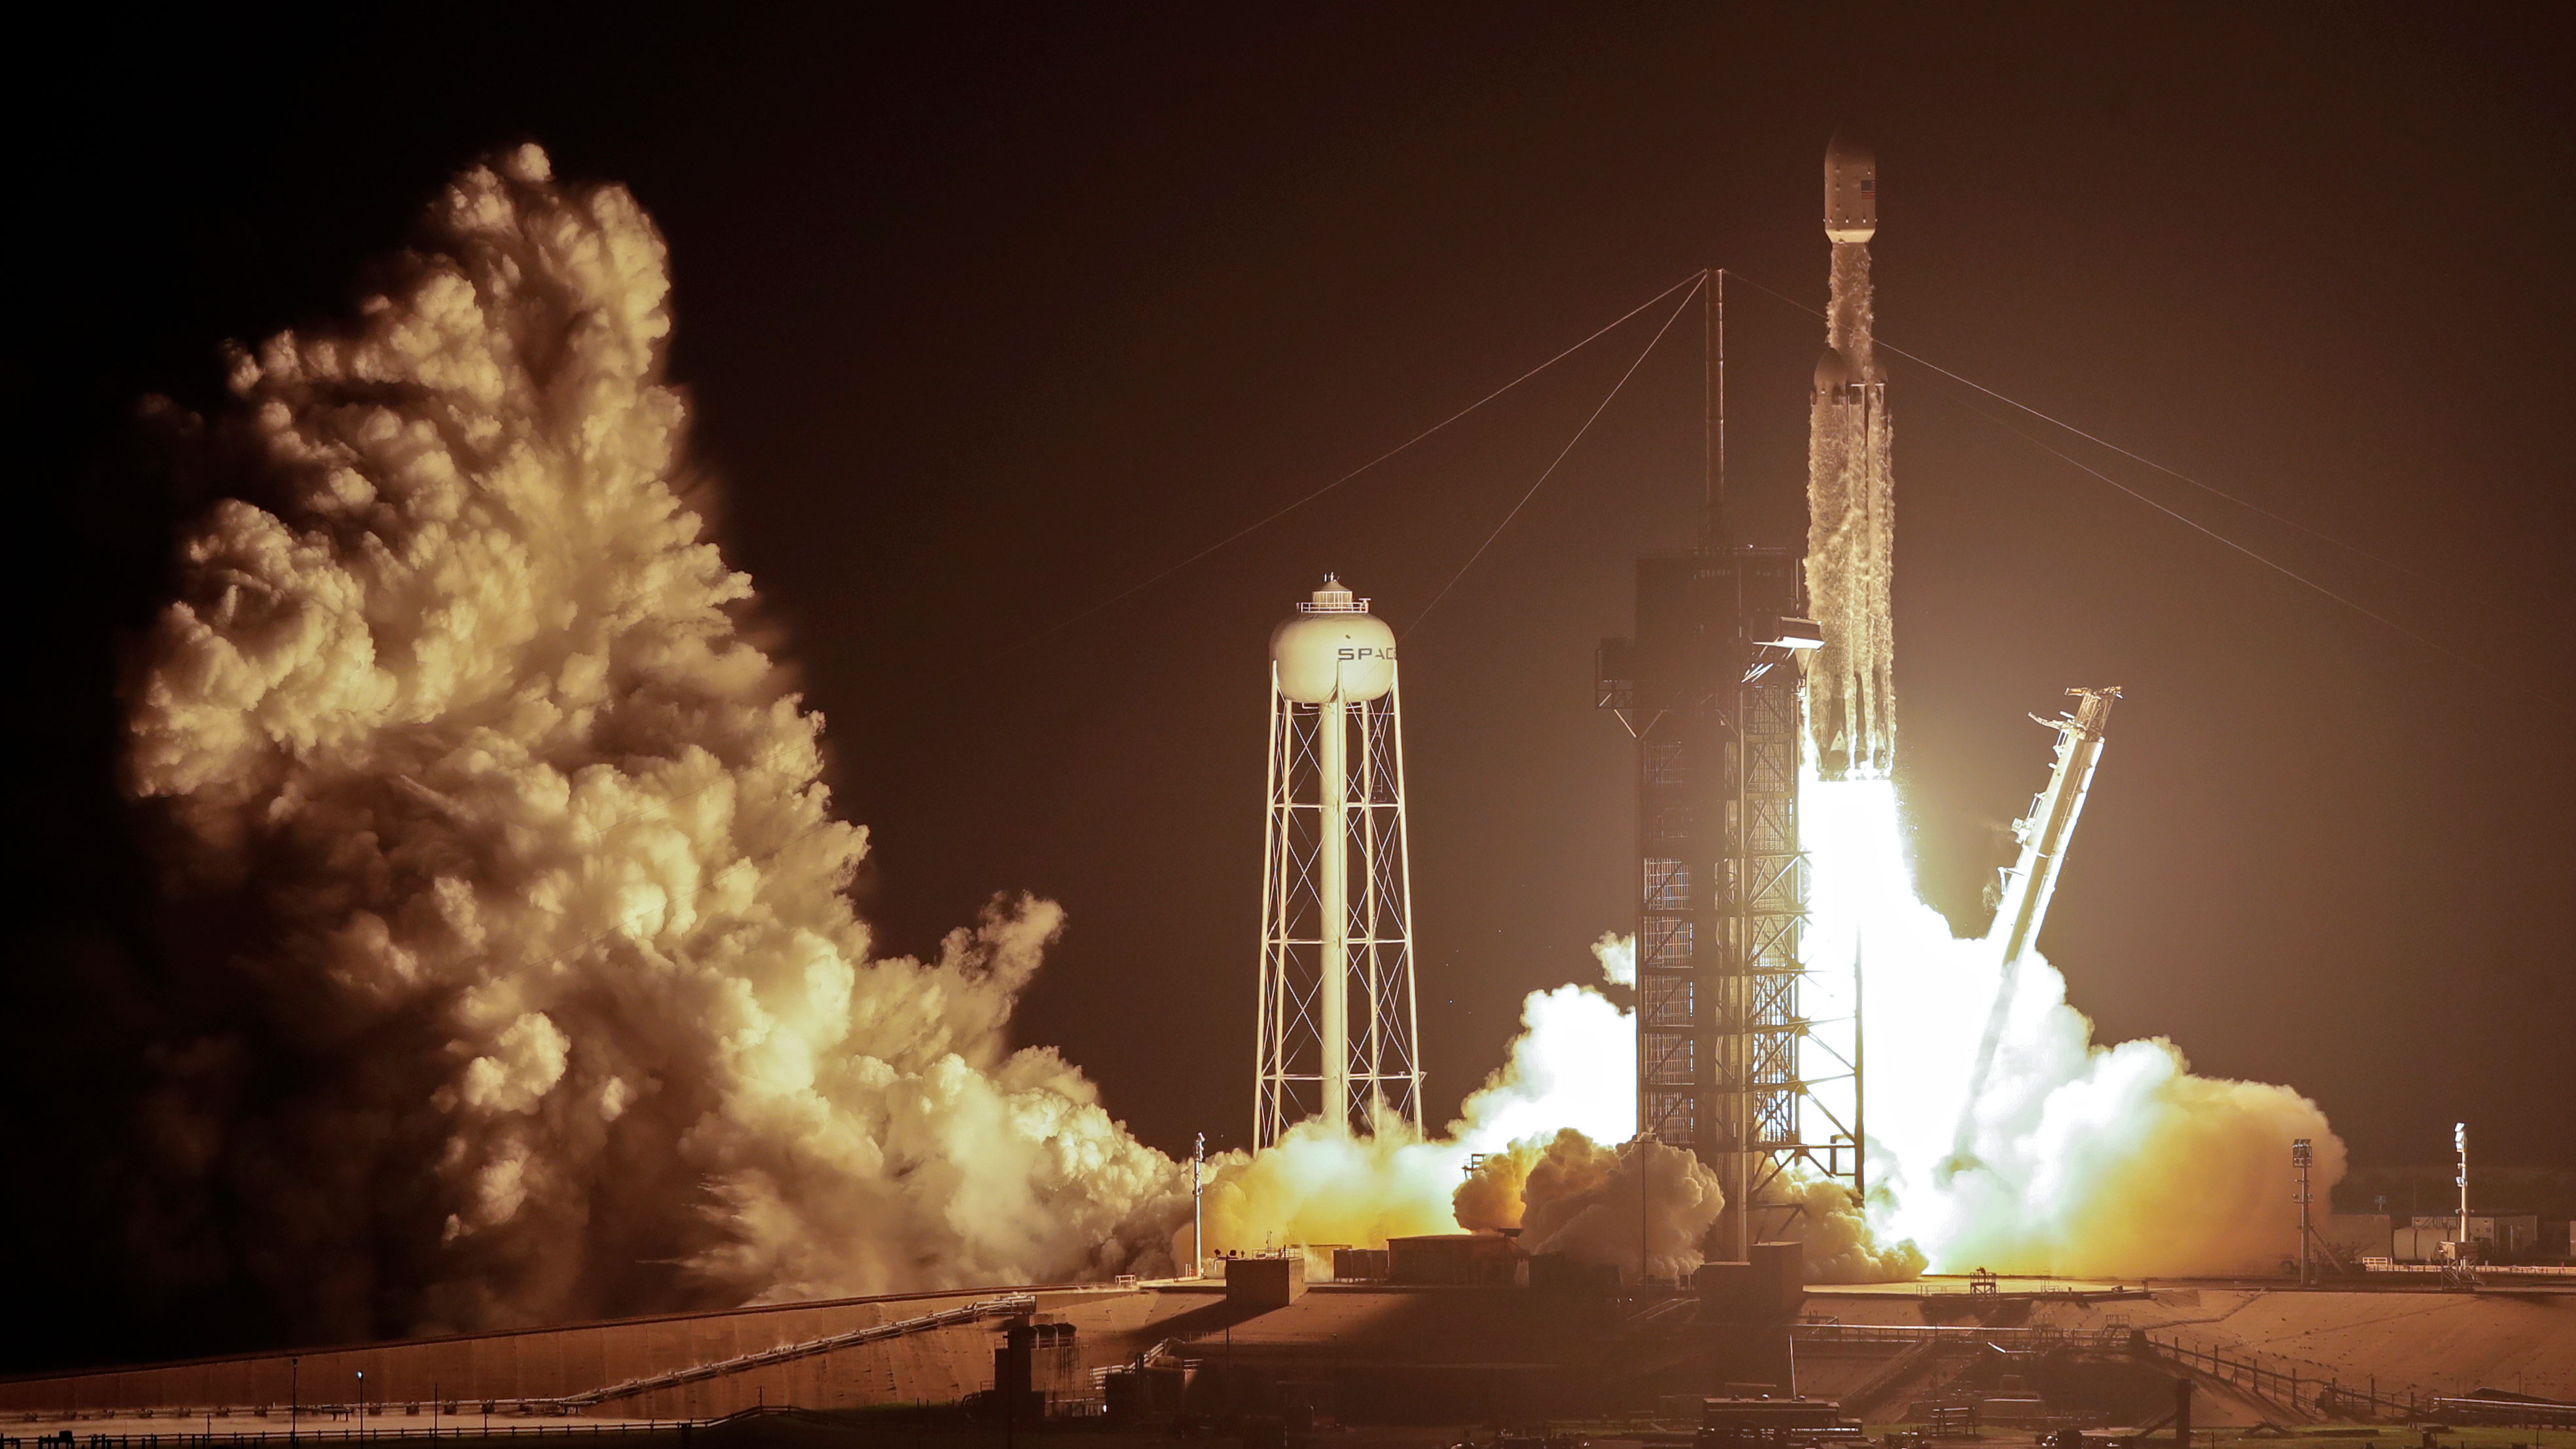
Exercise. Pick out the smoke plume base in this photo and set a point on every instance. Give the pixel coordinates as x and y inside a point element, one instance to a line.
<point>2089,1159</point>
<point>561,949</point>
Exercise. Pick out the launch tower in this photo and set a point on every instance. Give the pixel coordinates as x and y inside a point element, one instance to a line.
<point>1726,686</point>
<point>1335,1033</point>
<point>1710,689</point>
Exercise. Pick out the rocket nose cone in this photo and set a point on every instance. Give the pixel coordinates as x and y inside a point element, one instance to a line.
<point>1851,190</point>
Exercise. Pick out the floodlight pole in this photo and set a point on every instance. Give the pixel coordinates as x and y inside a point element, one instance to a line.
<point>2302,1156</point>
<point>2460,1142</point>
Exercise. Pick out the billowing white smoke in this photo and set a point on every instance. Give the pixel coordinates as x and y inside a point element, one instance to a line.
<point>564,1010</point>
<point>2079,1158</point>
<point>1571,1080</point>
<point>1574,1196</point>
<point>1573,1065</point>
<point>2083,1159</point>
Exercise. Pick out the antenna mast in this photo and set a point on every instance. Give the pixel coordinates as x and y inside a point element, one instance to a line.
<point>1713,369</point>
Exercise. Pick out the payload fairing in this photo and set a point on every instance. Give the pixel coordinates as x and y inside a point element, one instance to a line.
<point>1851,498</point>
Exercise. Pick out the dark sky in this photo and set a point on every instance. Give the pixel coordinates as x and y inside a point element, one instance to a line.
<point>987,319</point>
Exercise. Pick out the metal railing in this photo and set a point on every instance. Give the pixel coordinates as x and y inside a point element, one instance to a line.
<point>2470,1272</point>
<point>2324,1395</point>
<point>2039,1336</point>
<point>203,1439</point>
<point>1007,1305</point>
<point>2523,1413</point>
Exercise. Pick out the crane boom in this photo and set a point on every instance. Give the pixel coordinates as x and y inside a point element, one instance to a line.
<point>2044,834</point>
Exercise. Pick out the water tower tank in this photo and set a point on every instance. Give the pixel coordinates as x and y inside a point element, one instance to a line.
<point>1334,648</point>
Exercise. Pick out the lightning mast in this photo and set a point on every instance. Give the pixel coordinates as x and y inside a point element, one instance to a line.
<point>2044,834</point>
<point>1335,1037</point>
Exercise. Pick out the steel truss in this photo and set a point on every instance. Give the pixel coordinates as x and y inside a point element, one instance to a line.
<point>1318,983</point>
<point>1728,1063</point>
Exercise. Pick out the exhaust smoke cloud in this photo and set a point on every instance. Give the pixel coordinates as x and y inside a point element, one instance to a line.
<point>562,1009</point>
<point>2081,1158</point>
<point>1570,1083</point>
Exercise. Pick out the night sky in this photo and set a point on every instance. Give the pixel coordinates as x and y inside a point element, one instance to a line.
<point>989,320</point>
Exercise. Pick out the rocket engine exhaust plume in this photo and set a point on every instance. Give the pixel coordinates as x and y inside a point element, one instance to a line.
<point>2010,1140</point>
<point>561,1010</point>
<point>2071,1157</point>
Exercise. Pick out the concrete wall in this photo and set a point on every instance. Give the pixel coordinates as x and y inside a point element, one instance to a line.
<point>468,1370</point>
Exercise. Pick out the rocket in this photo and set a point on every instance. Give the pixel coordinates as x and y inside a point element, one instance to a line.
<point>1851,498</point>
<point>1851,191</point>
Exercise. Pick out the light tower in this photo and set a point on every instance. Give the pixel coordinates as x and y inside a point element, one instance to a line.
<point>1336,883</point>
<point>1710,688</point>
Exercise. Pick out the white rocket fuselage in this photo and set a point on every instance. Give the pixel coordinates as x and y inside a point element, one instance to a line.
<point>1851,502</point>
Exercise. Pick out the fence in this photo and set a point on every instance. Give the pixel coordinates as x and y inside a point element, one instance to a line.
<point>2325,1396</point>
<point>2471,1272</point>
<point>594,1428</point>
<point>1003,1307</point>
<point>2032,1338</point>
<point>2524,1413</point>
<point>1008,1305</point>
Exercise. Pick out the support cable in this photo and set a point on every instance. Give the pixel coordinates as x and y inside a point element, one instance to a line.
<point>620,928</point>
<point>2101,442</point>
<point>1560,458</point>
<point>2275,565</point>
<point>2283,569</point>
<point>1692,281</point>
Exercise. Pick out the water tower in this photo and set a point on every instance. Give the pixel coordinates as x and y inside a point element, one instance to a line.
<point>1335,1035</point>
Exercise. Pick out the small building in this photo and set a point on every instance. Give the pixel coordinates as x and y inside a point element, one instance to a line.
<point>1455,1258</point>
<point>1270,1281</point>
<point>2498,1236</point>
<point>1359,1265</point>
<point>1563,1273</point>
<point>1766,1289</point>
